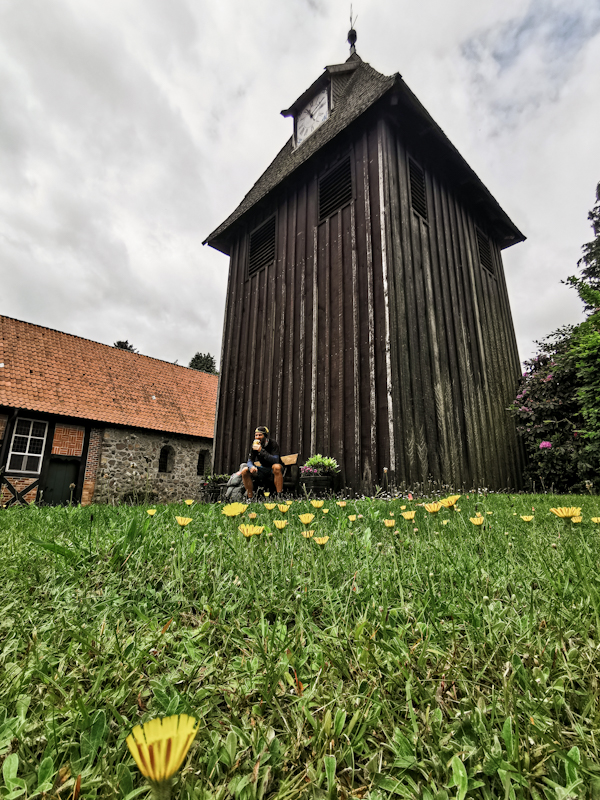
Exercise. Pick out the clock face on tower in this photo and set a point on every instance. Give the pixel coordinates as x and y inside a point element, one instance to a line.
<point>312,115</point>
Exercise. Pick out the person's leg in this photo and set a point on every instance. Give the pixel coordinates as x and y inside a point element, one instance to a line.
<point>278,477</point>
<point>248,484</point>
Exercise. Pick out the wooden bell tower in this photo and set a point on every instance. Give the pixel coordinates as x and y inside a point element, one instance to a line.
<point>367,315</point>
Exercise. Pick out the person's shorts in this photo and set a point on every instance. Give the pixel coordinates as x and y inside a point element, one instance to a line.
<point>263,476</point>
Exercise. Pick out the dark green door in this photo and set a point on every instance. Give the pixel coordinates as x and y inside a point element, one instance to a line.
<point>61,474</point>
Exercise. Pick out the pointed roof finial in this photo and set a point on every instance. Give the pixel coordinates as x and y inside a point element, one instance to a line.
<point>352,33</point>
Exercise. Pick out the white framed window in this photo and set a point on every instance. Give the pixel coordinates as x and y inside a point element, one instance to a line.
<point>27,446</point>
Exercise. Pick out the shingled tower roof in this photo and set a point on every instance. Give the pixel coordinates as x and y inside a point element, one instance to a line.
<point>364,88</point>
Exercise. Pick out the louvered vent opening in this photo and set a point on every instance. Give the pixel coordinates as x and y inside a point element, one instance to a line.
<point>485,251</point>
<point>418,198</point>
<point>335,189</point>
<point>262,246</point>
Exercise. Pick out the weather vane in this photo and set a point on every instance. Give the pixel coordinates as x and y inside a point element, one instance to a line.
<point>352,32</point>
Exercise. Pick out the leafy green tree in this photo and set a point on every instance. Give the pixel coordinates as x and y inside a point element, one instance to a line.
<point>557,407</point>
<point>121,344</point>
<point>204,362</point>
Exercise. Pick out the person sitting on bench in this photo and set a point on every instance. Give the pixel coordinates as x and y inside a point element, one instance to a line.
<point>263,464</point>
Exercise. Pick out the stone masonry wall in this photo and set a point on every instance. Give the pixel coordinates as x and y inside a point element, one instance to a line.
<point>128,466</point>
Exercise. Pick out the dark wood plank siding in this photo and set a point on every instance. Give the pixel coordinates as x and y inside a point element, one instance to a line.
<point>376,336</point>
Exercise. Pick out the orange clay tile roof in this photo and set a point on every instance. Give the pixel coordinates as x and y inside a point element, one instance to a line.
<point>56,373</point>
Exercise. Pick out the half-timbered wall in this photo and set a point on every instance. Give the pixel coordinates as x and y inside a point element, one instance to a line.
<point>375,336</point>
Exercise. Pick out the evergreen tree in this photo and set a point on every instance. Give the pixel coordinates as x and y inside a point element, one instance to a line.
<point>121,344</point>
<point>204,362</point>
<point>589,263</point>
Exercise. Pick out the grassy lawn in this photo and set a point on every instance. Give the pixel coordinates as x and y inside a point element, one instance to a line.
<point>431,659</point>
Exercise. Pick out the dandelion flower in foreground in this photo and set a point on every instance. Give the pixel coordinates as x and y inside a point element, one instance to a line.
<point>252,515</point>
<point>389,523</point>
<point>151,512</point>
<point>408,514</point>
<point>433,508</point>
<point>306,519</point>
<point>566,512</point>
<point>307,534</point>
<point>448,502</point>
<point>576,519</point>
<point>321,539</point>
<point>270,506</point>
<point>402,508</point>
<point>183,521</point>
<point>596,520</point>
<point>477,520</point>
<point>352,517</point>
<point>188,502</point>
<point>283,507</point>
<point>251,530</point>
<point>325,510</point>
<point>526,518</point>
<point>317,503</point>
<point>160,745</point>
<point>234,509</point>
<point>280,523</point>
<point>341,503</point>
<point>445,521</point>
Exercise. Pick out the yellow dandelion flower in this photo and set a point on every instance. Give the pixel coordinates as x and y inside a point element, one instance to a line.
<point>596,520</point>
<point>448,502</point>
<point>341,503</point>
<point>188,502</point>
<point>306,519</point>
<point>389,523</point>
<point>251,530</point>
<point>433,508</point>
<point>566,512</point>
<point>445,521</point>
<point>151,512</point>
<point>478,514</point>
<point>183,521</point>
<point>489,512</point>
<point>352,517</point>
<point>283,507</point>
<point>526,518</point>
<point>280,523</point>
<point>252,515</point>
<point>456,509</point>
<point>317,503</point>
<point>307,534</point>
<point>160,745</point>
<point>234,509</point>
<point>477,520</point>
<point>402,508</point>
<point>409,514</point>
<point>325,510</point>
<point>321,539</point>
<point>267,494</point>
<point>270,506</point>
<point>576,519</point>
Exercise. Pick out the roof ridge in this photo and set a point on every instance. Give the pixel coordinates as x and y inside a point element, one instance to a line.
<point>101,344</point>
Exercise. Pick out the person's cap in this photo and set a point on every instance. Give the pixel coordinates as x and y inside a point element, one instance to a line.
<point>261,429</point>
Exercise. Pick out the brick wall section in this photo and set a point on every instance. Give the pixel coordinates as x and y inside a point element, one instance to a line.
<point>68,440</point>
<point>129,466</point>
<point>19,484</point>
<point>91,466</point>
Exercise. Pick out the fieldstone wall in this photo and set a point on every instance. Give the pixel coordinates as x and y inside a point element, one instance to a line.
<point>128,468</point>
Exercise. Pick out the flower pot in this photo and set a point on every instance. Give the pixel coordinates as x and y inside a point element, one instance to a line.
<point>318,484</point>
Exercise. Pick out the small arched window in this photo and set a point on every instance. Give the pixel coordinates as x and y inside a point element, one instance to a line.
<point>166,459</point>
<point>201,468</point>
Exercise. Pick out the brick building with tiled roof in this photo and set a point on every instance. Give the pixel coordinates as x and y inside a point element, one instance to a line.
<point>86,422</point>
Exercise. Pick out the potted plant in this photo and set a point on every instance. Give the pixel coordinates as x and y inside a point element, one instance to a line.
<point>319,473</point>
<point>212,486</point>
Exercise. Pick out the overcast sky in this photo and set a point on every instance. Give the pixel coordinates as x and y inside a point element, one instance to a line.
<point>130,129</point>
